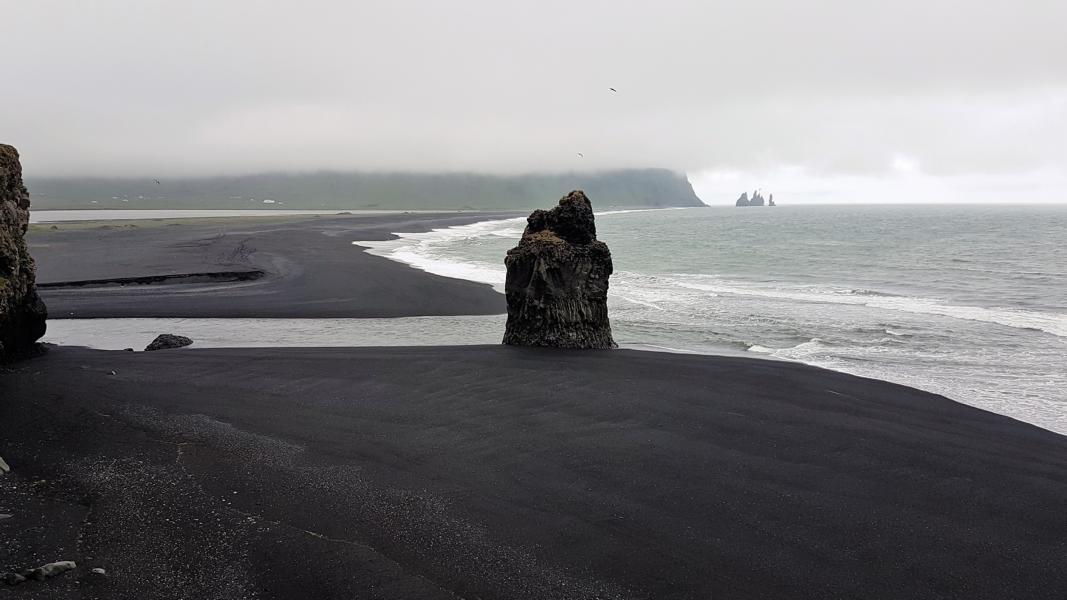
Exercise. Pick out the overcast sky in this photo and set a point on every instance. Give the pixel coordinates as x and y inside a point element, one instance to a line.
<point>816,100</point>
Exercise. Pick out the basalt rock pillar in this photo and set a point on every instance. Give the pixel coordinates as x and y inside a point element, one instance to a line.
<point>557,282</point>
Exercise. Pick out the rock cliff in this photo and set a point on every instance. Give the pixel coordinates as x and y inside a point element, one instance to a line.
<point>557,281</point>
<point>22,314</point>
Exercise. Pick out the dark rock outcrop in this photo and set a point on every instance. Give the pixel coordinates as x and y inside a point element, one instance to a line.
<point>755,200</point>
<point>557,282</point>
<point>22,313</point>
<point>167,341</point>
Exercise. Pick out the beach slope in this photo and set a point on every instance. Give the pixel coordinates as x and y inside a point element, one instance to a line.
<point>498,472</point>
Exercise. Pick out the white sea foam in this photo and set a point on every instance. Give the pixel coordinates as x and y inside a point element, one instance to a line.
<point>1052,323</point>
<point>422,250</point>
<point>656,347</point>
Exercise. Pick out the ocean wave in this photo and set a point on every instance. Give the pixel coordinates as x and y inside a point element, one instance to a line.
<point>863,292</point>
<point>656,347</point>
<point>641,302</point>
<point>623,211</point>
<point>422,250</point>
<point>1051,323</point>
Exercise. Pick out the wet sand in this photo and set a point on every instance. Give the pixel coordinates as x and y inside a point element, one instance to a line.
<point>497,472</point>
<point>291,266</point>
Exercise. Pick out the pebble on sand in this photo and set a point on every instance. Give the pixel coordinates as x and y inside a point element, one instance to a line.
<point>52,569</point>
<point>40,573</point>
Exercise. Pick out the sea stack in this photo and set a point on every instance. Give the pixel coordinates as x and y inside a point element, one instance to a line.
<point>557,282</point>
<point>756,200</point>
<point>22,313</point>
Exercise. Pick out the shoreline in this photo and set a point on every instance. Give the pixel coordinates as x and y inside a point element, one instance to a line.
<point>230,333</point>
<point>105,215</point>
<point>388,248</point>
<point>282,294</point>
<point>108,334</point>
<point>400,250</point>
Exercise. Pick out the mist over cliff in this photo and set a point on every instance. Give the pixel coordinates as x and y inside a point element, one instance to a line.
<point>631,188</point>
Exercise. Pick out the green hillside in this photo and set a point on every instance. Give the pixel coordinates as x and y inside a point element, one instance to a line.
<point>330,190</point>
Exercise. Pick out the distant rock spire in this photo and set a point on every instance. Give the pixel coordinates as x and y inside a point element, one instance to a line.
<point>757,199</point>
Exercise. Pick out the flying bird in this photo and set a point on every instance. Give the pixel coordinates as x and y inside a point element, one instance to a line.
<point>614,90</point>
<point>156,180</point>
<point>580,155</point>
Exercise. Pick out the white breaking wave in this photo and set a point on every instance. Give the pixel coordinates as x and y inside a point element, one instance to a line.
<point>421,250</point>
<point>1052,323</point>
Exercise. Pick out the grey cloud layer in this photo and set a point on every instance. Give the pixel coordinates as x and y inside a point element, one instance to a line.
<point>144,87</point>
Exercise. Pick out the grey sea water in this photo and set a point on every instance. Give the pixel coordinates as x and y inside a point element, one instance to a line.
<point>966,301</point>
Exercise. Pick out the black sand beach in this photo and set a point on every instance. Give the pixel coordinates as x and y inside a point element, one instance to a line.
<point>496,472</point>
<point>478,471</point>
<point>296,267</point>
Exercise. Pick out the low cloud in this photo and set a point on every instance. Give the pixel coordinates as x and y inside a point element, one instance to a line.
<point>834,90</point>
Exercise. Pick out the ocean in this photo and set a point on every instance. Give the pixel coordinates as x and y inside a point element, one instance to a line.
<point>965,301</point>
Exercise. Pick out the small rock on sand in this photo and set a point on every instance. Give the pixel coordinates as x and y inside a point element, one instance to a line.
<point>98,571</point>
<point>13,578</point>
<point>52,569</point>
<point>40,573</point>
<point>4,468</point>
<point>167,341</point>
